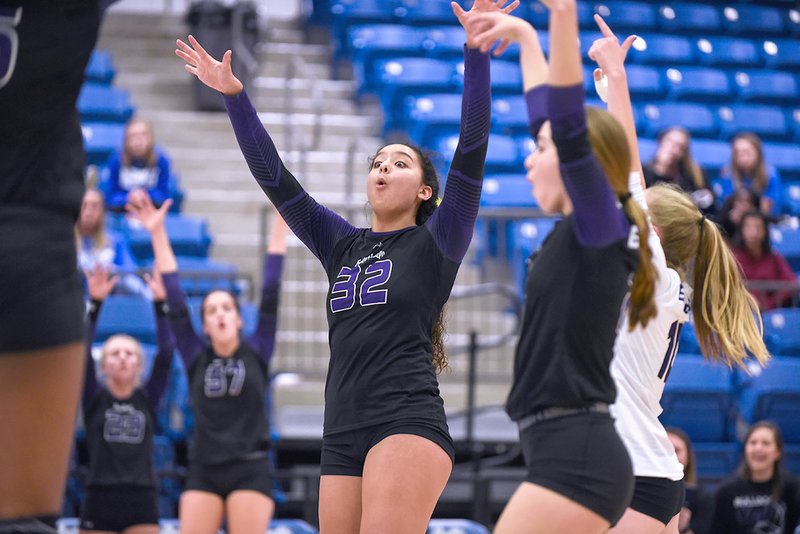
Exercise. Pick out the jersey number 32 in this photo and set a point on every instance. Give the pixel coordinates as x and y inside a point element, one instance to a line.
<point>368,292</point>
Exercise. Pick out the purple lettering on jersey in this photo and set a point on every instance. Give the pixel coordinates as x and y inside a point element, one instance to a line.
<point>215,382</point>
<point>9,42</point>
<point>345,284</point>
<point>377,275</point>
<point>672,350</point>
<point>124,424</point>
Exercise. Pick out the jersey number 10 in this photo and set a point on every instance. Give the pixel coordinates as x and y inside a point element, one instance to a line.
<point>672,350</point>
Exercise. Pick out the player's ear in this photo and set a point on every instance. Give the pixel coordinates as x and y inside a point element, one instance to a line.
<point>425,192</point>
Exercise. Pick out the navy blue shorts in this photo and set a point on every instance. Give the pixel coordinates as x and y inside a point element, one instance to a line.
<point>344,453</point>
<point>223,479</point>
<point>115,508</point>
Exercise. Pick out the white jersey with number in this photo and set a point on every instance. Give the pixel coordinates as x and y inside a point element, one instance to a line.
<point>642,361</point>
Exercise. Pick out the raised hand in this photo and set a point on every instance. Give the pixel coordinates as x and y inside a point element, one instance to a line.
<point>607,51</point>
<point>481,6</point>
<point>488,28</point>
<point>559,5</point>
<point>141,208</point>
<point>99,281</point>
<point>156,285</point>
<point>217,75</point>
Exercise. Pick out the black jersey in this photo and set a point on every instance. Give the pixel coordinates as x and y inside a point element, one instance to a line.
<point>44,49</point>
<point>573,298</point>
<point>745,507</point>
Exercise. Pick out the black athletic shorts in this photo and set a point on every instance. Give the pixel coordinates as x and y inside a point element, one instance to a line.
<point>41,297</point>
<point>344,453</point>
<point>660,498</point>
<point>115,508</point>
<point>223,479</point>
<point>581,457</point>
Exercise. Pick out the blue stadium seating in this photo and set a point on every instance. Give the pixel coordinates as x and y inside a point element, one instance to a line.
<point>782,331</point>
<point>189,237</point>
<point>166,468</point>
<point>527,236</point>
<point>129,315</point>
<point>426,12</point>
<point>647,149</point>
<point>507,190</point>
<point>689,18</point>
<point>101,140</point>
<point>403,77</point>
<point>99,102</point>
<point>623,15</point>
<point>752,19</point>
<point>100,68</point>
<point>697,398</point>
<point>774,394</point>
<point>537,14</point>
<point>696,118</point>
<point>445,42</point>
<point>785,157</point>
<point>643,82</point>
<point>786,240</point>
<point>768,122</point>
<point>348,12</point>
<point>716,461</point>
<point>200,276</point>
<point>276,526</point>
<point>368,43</point>
<point>767,87</point>
<point>662,49</point>
<point>431,116</point>
<point>506,77</point>
<point>782,54</point>
<point>502,155</point>
<point>728,52</point>
<point>794,123</point>
<point>711,155</point>
<point>455,526</point>
<point>510,115</point>
<point>698,84</point>
<point>791,198</point>
<point>791,457</point>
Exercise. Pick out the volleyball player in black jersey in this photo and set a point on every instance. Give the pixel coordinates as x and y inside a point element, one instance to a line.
<point>579,472</point>
<point>230,474</point>
<point>120,420</point>
<point>44,49</point>
<point>386,452</point>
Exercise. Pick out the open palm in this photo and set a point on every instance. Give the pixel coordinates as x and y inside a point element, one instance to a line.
<point>217,75</point>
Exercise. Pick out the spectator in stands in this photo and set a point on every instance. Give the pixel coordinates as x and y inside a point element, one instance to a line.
<point>761,497</point>
<point>230,474</point>
<point>139,165</point>
<point>673,163</point>
<point>758,261</point>
<point>119,415</point>
<point>695,516</point>
<point>386,452</point>
<point>735,206</point>
<point>98,245</point>
<point>748,168</point>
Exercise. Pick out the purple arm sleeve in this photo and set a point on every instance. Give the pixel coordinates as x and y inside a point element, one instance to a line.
<point>189,345</point>
<point>452,223</point>
<point>263,339</point>
<point>163,362</point>
<point>598,219</point>
<point>316,226</point>
<point>90,379</point>
<point>536,102</point>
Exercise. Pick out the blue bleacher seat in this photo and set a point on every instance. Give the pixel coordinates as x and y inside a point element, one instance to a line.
<point>507,190</point>
<point>782,331</point>
<point>785,157</point>
<point>99,102</point>
<point>662,49</point>
<point>791,198</point>
<point>647,148</point>
<point>502,155</point>
<point>538,15</point>
<point>401,77</point>
<point>444,42</point>
<point>774,394</point>
<point>688,340</point>
<point>510,115</point>
<point>689,18</point>
<point>431,116</point>
<point>716,461</point>
<point>455,526</point>
<point>643,82</point>
<point>794,123</point>
<point>349,12</point>
<point>696,118</point>
<point>769,87</point>
<point>189,237</point>
<point>628,16</point>
<point>200,276</point>
<point>165,467</point>
<point>768,122</point>
<point>699,84</point>
<point>527,237</point>
<point>791,458</point>
<point>368,43</point>
<point>782,54</point>
<point>426,12</point>
<point>129,315</point>
<point>506,77</point>
<point>290,526</point>
<point>697,398</point>
<point>728,52</point>
<point>711,155</point>
<point>753,19</point>
<point>100,68</point>
<point>101,140</point>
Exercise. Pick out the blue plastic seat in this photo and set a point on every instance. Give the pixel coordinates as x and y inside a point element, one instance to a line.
<point>782,331</point>
<point>100,68</point>
<point>444,42</point>
<point>502,155</point>
<point>728,52</point>
<point>698,83</point>
<point>791,197</point>
<point>774,394</point>
<point>698,119</point>
<point>189,237</point>
<point>753,20</point>
<point>768,122</point>
<point>698,398</point>
<point>628,16</point>
<point>711,155</point>
<point>526,238</point>
<point>99,102</point>
<point>455,526</point>
<point>643,82</point>
<point>782,54</point>
<point>368,43</point>
<point>663,50</point>
<point>791,458</point>
<point>510,115</point>
<point>100,140</point>
<point>716,461</point>
<point>506,77</point>
<point>345,13</point>
<point>507,190</point>
<point>125,314</point>
<point>537,14</point>
<point>401,77</point>
<point>689,18</point>
<point>767,87</point>
<point>647,149</point>
<point>200,276</point>
<point>431,116</point>
<point>426,12</point>
<point>785,157</point>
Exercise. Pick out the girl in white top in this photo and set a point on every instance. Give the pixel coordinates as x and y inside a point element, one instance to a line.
<point>685,246</point>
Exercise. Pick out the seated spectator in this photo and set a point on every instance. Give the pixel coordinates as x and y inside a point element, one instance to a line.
<point>760,498</point>
<point>754,253</point>
<point>747,168</point>
<point>140,165</point>
<point>97,245</point>
<point>734,209</point>
<point>695,516</point>
<point>673,163</point>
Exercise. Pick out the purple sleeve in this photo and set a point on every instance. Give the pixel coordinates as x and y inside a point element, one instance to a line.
<point>163,362</point>
<point>189,345</point>
<point>536,102</point>
<point>316,226</point>
<point>599,221</point>
<point>263,339</point>
<point>90,379</point>
<point>452,222</point>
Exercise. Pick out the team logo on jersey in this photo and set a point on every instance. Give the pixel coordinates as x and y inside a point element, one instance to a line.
<point>9,42</point>
<point>124,424</point>
<point>215,383</point>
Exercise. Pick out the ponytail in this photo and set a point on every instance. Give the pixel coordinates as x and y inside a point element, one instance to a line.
<point>642,295</point>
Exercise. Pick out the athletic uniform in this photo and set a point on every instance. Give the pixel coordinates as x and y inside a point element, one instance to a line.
<point>381,380</point>
<point>44,49</point>
<point>745,507</point>
<point>642,361</point>
<point>121,484</point>
<point>231,437</point>
<point>574,292</point>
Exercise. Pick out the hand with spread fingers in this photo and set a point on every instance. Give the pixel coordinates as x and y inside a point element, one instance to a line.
<point>99,282</point>
<point>218,75</point>
<point>140,207</point>
<point>156,285</point>
<point>488,28</point>
<point>480,7</point>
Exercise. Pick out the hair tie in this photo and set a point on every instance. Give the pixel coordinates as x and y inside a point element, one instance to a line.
<point>624,197</point>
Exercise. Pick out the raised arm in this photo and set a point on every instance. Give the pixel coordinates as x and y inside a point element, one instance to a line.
<point>100,283</point>
<point>318,227</point>
<point>166,343</point>
<point>263,339</point>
